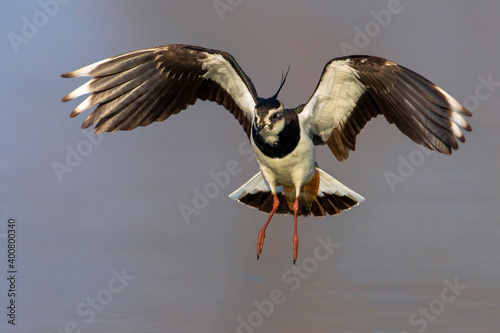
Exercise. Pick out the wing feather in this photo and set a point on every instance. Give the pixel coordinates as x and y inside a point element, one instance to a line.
<point>352,90</point>
<point>138,88</point>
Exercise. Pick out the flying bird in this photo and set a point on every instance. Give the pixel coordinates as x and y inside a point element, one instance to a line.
<point>138,88</point>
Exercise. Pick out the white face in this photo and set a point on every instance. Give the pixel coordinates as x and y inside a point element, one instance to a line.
<point>272,123</point>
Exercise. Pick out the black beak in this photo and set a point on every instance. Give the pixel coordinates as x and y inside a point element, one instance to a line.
<point>257,128</point>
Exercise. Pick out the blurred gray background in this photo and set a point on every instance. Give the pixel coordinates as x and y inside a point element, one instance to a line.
<point>116,209</point>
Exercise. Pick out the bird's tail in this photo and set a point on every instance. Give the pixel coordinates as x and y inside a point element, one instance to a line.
<point>322,196</point>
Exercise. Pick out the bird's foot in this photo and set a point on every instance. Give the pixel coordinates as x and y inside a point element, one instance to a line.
<point>295,248</point>
<point>260,242</point>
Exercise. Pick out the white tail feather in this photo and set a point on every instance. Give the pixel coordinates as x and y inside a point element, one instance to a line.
<point>329,185</point>
<point>256,184</point>
<point>331,199</point>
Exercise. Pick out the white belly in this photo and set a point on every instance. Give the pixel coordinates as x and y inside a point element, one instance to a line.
<point>293,170</point>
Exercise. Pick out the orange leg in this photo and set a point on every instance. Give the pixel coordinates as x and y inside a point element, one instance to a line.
<point>295,236</point>
<point>262,233</point>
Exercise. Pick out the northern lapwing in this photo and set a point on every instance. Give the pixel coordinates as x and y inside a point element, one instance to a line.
<point>144,86</point>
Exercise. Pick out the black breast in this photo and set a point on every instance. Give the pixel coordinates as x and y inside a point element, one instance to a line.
<point>288,138</point>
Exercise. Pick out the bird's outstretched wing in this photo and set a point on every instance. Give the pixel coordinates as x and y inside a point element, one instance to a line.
<point>140,87</point>
<point>354,89</point>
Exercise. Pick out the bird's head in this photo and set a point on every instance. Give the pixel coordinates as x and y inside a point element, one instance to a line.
<point>269,118</point>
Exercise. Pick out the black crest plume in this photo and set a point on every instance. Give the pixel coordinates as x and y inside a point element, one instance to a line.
<point>283,79</point>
